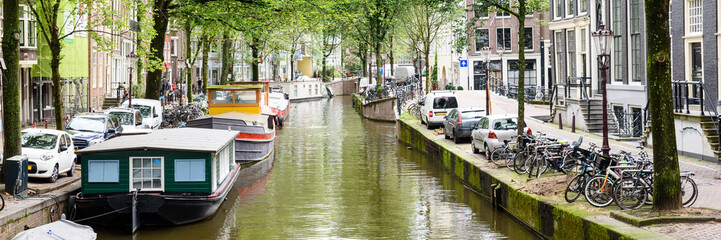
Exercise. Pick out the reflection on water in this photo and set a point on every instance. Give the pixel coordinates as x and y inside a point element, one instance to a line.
<point>336,175</point>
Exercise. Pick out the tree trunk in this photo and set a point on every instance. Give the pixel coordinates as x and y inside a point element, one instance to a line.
<point>157,44</point>
<point>57,84</point>
<point>379,64</point>
<point>188,56</point>
<point>391,58</point>
<point>363,54</point>
<point>428,66</point>
<point>256,57</point>
<point>139,63</point>
<point>666,179</point>
<point>521,69</point>
<point>204,60</point>
<point>227,61</point>
<point>11,82</point>
<point>325,76</point>
<point>292,63</point>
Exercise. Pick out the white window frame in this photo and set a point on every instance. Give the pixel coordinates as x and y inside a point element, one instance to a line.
<point>558,14</point>
<point>569,11</point>
<point>695,22</point>
<point>116,180</point>
<point>477,4</point>
<point>510,49</point>
<point>502,12</point>
<point>476,39</point>
<point>174,46</point>
<point>527,28</point>
<point>162,174</point>
<point>581,13</point>
<point>175,165</point>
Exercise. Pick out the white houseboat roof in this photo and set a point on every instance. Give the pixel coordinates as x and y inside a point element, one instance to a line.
<point>173,139</point>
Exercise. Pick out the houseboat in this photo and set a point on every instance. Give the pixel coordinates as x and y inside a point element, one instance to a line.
<point>279,104</point>
<point>174,176</point>
<point>239,108</point>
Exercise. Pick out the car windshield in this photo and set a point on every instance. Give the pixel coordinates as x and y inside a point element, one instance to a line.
<point>125,118</point>
<point>87,124</point>
<point>472,114</point>
<point>444,102</point>
<point>39,140</point>
<point>144,110</point>
<point>505,124</point>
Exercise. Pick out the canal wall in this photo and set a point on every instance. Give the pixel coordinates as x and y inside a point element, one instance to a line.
<point>550,218</point>
<point>379,110</point>
<point>34,211</point>
<point>344,87</point>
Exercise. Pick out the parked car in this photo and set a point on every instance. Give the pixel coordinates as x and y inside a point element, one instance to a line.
<point>152,111</point>
<point>50,153</point>
<point>490,131</point>
<point>460,121</point>
<point>130,119</point>
<point>92,128</point>
<point>435,105</point>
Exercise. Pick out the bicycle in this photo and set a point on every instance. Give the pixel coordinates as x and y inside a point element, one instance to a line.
<point>576,186</point>
<point>599,189</point>
<point>501,155</point>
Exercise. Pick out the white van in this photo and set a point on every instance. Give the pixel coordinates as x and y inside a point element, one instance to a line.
<point>151,110</point>
<point>435,106</point>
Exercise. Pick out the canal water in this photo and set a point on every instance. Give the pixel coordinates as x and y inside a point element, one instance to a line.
<point>336,175</point>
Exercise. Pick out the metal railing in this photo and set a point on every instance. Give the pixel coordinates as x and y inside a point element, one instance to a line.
<point>707,106</point>
<point>584,89</point>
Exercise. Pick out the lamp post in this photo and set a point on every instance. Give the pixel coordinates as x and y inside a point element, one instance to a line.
<point>486,56</point>
<point>603,37</point>
<point>131,56</point>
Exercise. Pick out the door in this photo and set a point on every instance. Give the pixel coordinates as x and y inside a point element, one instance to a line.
<point>696,67</point>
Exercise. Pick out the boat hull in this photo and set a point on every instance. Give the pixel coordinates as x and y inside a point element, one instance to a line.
<point>253,143</point>
<point>152,208</point>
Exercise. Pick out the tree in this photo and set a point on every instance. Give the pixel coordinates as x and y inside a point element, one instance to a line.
<point>422,24</point>
<point>11,82</point>
<point>519,9</point>
<point>666,176</point>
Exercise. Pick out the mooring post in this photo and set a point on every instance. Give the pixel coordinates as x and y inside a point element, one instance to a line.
<point>560,121</point>
<point>573,123</point>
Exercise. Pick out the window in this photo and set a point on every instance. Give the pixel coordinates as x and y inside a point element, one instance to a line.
<point>103,171</point>
<point>569,7</point>
<point>582,6</point>
<point>221,97</point>
<point>617,42</point>
<point>190,170</point>
<point>529,74</point>
<point>559,56</point>
<point>695,16</point>
<point>583,40</point>
<point>480,10</point>
<point>503,38</point>
<point>635,41</point>
<point>245,97</point>
<point>482,39</point>
<point>528,41</point>
<point>147,173</point>
<point>174,47</point>
<point>559,8</point>
<point>571,46</point>
<point>22,32</point>
<point>32,35</point>
<point>502,14</point>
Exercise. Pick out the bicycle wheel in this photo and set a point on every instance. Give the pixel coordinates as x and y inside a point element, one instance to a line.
<point>499,155</point>
<point>629,194</point>
<point>510,161</point>
<point>573,172</point>
<point>2,202</point>
<point>575,187</point>
<point>519,163</point>
<point>599,191</point>
<point>689,191</point>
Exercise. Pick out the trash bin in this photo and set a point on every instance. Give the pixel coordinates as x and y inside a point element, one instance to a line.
<point>16,175</point>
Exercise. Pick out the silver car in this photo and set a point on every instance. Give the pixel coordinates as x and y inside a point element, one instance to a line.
<point>490,131</point>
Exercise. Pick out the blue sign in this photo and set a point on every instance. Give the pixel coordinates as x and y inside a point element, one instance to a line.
<point>380,70</point>
<point>464,63</point>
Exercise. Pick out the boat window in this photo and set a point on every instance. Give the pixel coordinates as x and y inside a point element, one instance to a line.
<point>103,171</point>
<point>190,170</point>
<point>222,96</point>
<point>147,173</point>
<point>245,97</point>
<point>39,140</point>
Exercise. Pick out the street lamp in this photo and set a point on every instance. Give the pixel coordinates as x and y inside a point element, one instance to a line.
<point>486,56</point>
<point>131,56</point>
<point>603,37</point>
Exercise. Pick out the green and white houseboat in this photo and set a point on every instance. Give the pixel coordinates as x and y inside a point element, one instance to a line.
<point>177,176</point>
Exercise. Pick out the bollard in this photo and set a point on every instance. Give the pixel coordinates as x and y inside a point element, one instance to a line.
<point>560,122</point>
<point>46,123</point>
<point>35,125</point>
<point>573,123</point>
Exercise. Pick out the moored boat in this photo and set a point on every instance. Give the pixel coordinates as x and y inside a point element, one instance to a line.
<point>238,107</point>
<point>279,105</point>
<point>176,176</point>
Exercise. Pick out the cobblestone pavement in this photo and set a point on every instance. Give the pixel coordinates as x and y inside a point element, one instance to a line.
<point>707,173</point>
<point>710,230</point>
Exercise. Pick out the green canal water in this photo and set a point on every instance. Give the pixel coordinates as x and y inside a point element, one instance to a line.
<point>338,176</point>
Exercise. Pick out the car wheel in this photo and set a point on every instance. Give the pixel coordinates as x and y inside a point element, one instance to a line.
<point>473,146</point>
<point>71,172</point>
<point>488,151</point>
<point>445,134</point>
<point>455,137</point>
<point>54,176</point>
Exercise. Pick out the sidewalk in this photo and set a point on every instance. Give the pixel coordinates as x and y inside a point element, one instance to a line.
<point>707,173</point>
